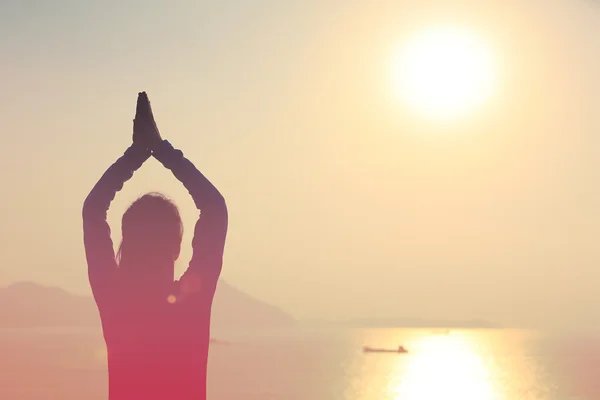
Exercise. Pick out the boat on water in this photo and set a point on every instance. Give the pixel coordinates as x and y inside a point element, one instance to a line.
<point>400,349</point>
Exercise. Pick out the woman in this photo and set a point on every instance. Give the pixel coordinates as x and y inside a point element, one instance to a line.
<point>157,330</point>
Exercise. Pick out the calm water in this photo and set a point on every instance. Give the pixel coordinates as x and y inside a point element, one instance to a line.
<point>317,364</point>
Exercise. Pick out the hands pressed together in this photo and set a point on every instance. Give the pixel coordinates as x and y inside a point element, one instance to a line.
<point>145,132</point>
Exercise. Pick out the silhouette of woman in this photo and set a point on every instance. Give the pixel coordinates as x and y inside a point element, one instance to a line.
<point>157,330</point>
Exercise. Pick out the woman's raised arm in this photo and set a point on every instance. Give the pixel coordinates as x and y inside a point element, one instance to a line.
<point>211,228</point>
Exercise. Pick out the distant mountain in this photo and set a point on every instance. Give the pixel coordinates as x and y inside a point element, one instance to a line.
<point>233,308</point>
<point>27,304</point>
<point>416,323</point>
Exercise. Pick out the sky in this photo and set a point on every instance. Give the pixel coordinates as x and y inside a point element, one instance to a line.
<point>343,202</point>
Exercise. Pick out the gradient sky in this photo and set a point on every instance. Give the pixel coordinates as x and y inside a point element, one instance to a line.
<point>343,203</point>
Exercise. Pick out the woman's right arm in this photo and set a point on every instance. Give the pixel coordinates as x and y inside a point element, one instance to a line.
<point>99,249</point>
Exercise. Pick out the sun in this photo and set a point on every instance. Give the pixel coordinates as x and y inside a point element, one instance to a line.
<point>444,72</point>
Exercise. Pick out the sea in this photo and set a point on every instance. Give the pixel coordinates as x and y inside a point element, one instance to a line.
<point>327,363</point>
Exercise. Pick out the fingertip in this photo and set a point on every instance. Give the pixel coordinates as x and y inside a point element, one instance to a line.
<point>143,104</point>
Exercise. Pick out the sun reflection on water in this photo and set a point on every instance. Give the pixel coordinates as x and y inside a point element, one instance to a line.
<point>442,367</point>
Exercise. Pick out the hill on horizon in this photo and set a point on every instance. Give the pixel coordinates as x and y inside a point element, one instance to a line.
<point>29,305</point>
<point>403,323</point>
<point>417,323</point>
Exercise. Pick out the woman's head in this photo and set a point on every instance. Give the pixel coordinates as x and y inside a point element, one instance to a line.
<point>152,231</point>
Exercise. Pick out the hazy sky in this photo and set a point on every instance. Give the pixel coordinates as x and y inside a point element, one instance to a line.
<point>343,203</point>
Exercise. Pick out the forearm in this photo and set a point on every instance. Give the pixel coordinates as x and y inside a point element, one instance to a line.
<point>205,195</point>
<point>98,200</point>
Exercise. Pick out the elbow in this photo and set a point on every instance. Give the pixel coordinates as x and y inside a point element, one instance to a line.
<point>216,206</point>
<point>85,211</point>
<point>88,208</point>
<point>219,204</point>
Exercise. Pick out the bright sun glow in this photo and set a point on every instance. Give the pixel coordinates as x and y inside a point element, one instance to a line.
<point>445,72</point>
<point>444,368</point>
